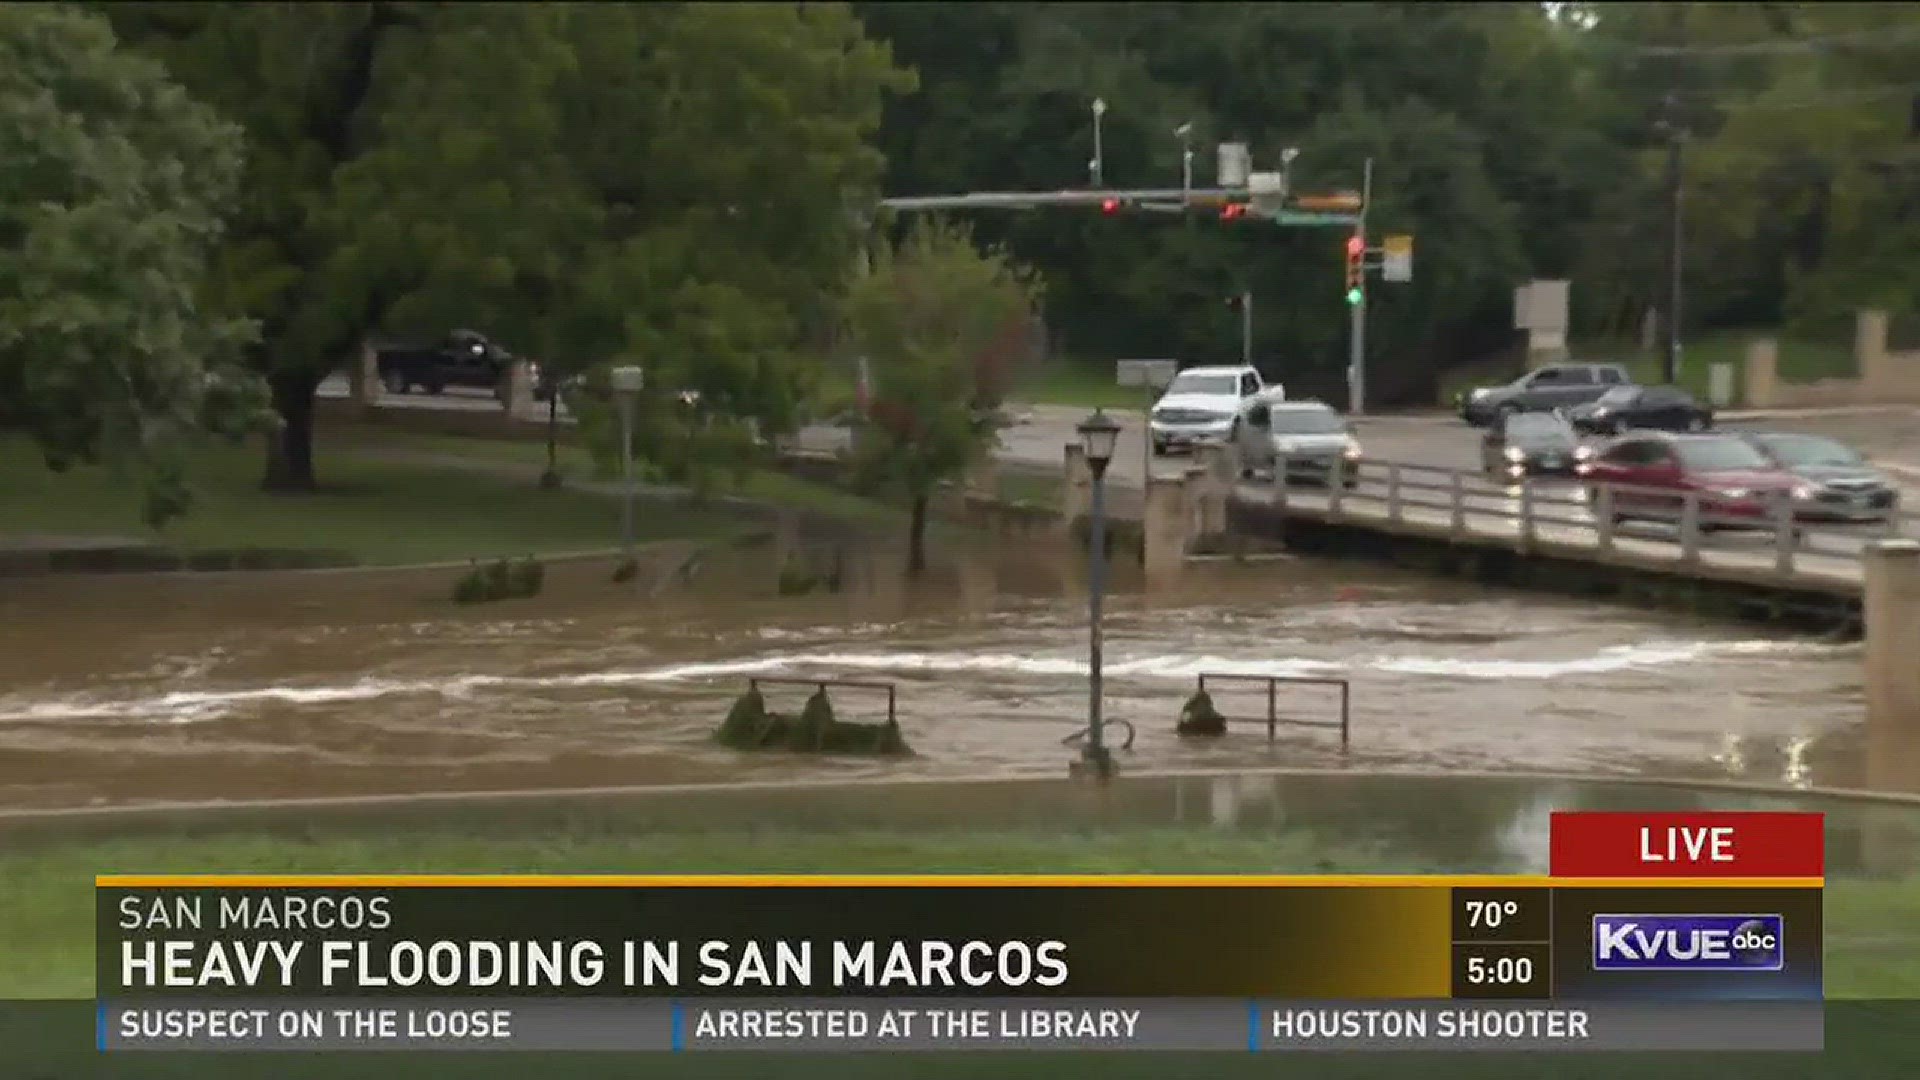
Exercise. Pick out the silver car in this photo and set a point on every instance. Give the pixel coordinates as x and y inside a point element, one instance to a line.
<point>1311,437</point>
<point>1837,483</point>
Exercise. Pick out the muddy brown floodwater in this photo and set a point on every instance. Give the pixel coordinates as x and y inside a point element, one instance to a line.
<point>164,688</point>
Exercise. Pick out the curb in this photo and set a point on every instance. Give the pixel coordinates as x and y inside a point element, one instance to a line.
<point>1896,799</point>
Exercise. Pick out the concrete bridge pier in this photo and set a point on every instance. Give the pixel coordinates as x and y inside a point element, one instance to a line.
<point>1165,530</point>
<point>1213,479</point>
<point>1891,614</point>
<point>1076,490</point>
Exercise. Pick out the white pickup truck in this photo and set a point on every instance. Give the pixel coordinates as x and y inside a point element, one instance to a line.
<point>1205,405</point>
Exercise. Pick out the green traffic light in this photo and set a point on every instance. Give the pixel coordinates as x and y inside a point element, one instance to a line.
<point>1353,297</point>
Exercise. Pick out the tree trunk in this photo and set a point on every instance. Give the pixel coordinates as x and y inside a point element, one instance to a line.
<point>290,449</point>
<point>551,478</point>
<point>917,536</point>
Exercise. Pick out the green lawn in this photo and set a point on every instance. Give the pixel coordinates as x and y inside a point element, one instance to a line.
<point>379,509</point>
<point>1088,384</point>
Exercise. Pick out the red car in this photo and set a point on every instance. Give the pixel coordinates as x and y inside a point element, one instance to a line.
<point>1733,478</point>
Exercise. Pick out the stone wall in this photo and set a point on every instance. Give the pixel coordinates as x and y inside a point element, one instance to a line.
<point>1887,377</point>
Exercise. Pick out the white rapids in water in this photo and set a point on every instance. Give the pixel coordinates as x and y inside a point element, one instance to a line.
<point>1474,684</point>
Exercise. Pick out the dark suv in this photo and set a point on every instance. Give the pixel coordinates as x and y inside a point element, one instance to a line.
<point>1556,386</point>
<point>464,358</point>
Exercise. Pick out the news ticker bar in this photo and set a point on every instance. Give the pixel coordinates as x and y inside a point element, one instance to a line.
<point>1321,939</point>
<point>932,1024</point>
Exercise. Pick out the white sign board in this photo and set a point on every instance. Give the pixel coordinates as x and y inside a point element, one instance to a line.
<point>1396,258</point>
<point>1153,374</point>
<point>1540,305</point>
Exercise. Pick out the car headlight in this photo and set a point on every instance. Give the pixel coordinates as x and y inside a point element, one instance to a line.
<point>1735,492</point>
<point>1600,412</point>
<point>1805,491</point>
<point>1478,394</point>
<point>1516,454</point>
<point>1352,451</point>
<point>1583,453</point>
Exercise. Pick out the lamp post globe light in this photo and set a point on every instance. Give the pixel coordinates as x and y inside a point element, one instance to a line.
<point>1098,436</point>
<point>627,382</point>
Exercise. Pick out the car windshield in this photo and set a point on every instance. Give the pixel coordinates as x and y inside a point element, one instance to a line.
<point>1620,395</point>
<point>1538,426</point>
<point>1714,455</point>
<point>1809,450</point>
<point>1205,384</point>
<point>1307,422</point>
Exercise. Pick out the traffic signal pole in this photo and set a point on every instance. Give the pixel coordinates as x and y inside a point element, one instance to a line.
<point>1357,333</point>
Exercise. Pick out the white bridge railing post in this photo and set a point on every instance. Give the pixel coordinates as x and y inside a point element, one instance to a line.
<point>1690,527</point>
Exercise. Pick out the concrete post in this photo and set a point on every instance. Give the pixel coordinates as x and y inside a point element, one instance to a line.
<point>1216,483</point>
<point>983,478</point>
<point>1892,620</point>
<point>1761,374</point>
<point>363,377</point>
<point>1877,381</point>
<point>1164,528</point>
<point>519,402</point>
<point>1076,491</point>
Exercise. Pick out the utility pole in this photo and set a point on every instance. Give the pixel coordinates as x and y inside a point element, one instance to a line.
<point>1246,327</point>
<point>1357,335</point>
<point>1676,140</point>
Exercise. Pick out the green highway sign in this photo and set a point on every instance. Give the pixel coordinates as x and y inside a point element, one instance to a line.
<point>1309,217</point>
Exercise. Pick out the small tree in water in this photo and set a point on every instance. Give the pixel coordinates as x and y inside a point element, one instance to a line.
<point>942,324</point>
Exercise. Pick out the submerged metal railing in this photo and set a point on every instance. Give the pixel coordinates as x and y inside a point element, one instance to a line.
<point>755,682</point>
<point>1273,720</point>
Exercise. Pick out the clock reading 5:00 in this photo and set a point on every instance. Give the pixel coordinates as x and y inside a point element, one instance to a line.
<point>1500,970</point>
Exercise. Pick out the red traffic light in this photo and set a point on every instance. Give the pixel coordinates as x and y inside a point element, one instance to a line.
<point>1356,247</point>
<point>1232,211</point>
<point>1110,206</point>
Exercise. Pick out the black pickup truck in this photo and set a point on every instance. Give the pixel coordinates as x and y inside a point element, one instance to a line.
<point>464,358</point>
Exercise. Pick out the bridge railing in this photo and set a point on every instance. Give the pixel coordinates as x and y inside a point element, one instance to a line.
<point>757,681</point>
<point>1274,721</point>
<point>1470,502</point>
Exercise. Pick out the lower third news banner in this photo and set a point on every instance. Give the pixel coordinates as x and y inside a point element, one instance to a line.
<point>866,964</point>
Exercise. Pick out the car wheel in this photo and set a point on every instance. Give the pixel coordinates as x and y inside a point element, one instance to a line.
<point>1159,449</point>
<point>434,387</point>
<point>395,382</point>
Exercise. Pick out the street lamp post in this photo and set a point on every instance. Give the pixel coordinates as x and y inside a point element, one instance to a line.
<point>1097,167</point>
<point>627,384</point>
<point>1098,435</point>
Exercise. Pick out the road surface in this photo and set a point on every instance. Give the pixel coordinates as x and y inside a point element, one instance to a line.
<point>1037,439</point>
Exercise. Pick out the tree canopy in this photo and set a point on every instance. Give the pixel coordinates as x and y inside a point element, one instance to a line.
<point>941,323</point>
<point>113,189</point>
<point>1513,140</point>
<point>670,183</point>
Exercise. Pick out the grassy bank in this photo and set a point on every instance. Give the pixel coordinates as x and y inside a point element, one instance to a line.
<point>46,907</point>
<point>378,512</point>
<point>386,497</point>
<point>1083,383</point>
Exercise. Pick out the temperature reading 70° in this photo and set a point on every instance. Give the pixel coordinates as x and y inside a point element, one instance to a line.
<point>1491,914</point>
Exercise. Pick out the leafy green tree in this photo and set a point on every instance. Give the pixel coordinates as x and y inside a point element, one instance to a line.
<point>580,181</point>
<point>938,319</point>
<point>113,186</point>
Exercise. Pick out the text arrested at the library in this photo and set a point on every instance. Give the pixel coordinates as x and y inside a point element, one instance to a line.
<point>849,1024</point>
